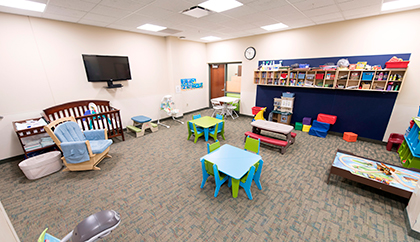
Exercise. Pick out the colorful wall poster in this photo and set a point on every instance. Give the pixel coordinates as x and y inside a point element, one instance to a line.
<point>190,84</point>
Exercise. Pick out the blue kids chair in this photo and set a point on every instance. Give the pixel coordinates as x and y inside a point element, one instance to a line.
<point>220,127</point>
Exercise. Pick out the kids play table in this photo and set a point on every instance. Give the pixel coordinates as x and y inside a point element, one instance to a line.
<point>234,162</point>
<point>206,122</point>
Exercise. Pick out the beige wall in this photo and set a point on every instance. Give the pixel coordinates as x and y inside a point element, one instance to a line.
<point>41,66</point>
<point>386,34</point>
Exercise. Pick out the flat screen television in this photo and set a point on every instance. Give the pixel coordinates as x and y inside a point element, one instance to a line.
<point>102,68</point>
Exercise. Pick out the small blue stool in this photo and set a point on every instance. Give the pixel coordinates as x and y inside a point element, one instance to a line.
<point>145,124</point>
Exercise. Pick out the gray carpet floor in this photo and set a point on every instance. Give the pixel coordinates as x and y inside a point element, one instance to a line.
<point>154,183</point>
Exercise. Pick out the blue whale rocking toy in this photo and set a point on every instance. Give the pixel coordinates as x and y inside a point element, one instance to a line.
<point>91,229</point>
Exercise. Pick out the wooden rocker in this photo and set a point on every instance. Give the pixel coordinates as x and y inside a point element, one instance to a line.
<point>81,150</point>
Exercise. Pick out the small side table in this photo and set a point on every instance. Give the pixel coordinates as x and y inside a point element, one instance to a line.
<point>145,124</point>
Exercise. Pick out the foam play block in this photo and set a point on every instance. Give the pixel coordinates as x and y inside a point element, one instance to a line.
<point>350,137</point>
<point>319,129</point>
<point>298,126</point>
<point>306,121</point>
<point>326,118</point>
<point>306,128</point>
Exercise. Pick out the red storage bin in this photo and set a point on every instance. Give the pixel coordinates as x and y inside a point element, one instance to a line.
<point>319,76</point>
<point>255,110</point>
<point>397,64</point>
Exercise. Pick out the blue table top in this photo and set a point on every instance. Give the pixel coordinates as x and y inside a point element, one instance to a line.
<point>232,161</point>
<point>141,119</point>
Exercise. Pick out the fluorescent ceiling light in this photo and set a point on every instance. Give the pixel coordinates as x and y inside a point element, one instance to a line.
<point>220,5</point>
<point>151,27</point>
<point>399,4</point>
<point>274,26</point>
<point>23,4</point>
<point>210,38</point>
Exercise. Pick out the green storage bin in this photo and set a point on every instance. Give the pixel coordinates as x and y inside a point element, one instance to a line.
<point>298,126</point>
<point>237,96</point>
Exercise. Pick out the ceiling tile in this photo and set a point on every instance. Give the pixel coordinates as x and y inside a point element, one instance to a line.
<point>93,22</point>
<point>112,12</point>
<point>73,4</point>
<point>298,22</point>
<point>134,20</point>
<point>126,4</point>
<point>262,5</point>
<point>175,6</point>
<point>52,9</point>
<point>313,4</point>
<point>328,18</point>
<point>361,12</point>
<point>61,17</point>
<point>281,11</point>
<point>99,18</point>
<point>321,11</point>
<point>154,12</point>
<point>354,4</point>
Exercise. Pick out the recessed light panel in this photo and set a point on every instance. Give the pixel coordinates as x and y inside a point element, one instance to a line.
<point>274,26</point>
<point>220,5</point>
<point>151,27</point>
<point>23,4</point>
<point>399,4</point>
<point>210,38</point>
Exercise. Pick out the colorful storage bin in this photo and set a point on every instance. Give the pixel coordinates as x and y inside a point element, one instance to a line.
<point>367,76</point>
<point>397,64</point>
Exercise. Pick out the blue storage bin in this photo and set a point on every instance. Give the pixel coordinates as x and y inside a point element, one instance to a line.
<point>367,76</point>
<point>288,94</point>
<point>301,76</point>
<point>303,65</point>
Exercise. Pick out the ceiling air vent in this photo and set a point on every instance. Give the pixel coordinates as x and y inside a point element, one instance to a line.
<point>196,12</point>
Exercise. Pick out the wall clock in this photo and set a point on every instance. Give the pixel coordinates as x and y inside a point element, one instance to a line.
<point>250,53</point>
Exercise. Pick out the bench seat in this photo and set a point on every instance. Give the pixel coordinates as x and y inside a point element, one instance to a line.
<point>283,144</point>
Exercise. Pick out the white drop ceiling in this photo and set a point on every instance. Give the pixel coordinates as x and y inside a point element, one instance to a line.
<point>243,21</point>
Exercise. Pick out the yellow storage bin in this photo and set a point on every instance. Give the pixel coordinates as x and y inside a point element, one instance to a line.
<point>306,128</point>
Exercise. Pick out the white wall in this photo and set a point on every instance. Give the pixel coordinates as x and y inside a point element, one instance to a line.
<point>385,34</point>
<point>41,66</point>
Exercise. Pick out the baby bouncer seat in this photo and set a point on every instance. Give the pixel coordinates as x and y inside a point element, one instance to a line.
<point>168,105</point>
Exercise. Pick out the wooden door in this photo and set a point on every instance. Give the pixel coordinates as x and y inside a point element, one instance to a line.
<point>217,80</point>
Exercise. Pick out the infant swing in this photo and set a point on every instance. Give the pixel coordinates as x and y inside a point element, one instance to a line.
<point>168,106</point>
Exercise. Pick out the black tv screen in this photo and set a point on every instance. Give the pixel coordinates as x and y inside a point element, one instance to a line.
<point>101,68</point>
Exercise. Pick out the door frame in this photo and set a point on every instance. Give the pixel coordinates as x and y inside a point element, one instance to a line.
<point>209,71</point>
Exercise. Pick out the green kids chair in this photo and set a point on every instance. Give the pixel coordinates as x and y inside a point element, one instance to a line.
<point>213,147</point>
<point>210,169</point>
<point>192,129</point>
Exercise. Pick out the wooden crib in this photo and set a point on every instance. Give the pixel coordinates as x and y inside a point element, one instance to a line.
<point>108,117</point>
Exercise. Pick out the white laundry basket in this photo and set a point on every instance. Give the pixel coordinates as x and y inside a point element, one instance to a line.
<point>41,165</point>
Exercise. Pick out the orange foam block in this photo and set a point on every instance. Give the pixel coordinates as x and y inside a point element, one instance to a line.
<point>350,137</point>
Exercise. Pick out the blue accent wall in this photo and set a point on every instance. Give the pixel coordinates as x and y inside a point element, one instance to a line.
<point>365,113</point>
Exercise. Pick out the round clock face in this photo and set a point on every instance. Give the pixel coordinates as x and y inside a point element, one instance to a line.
<point>250,53</point>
